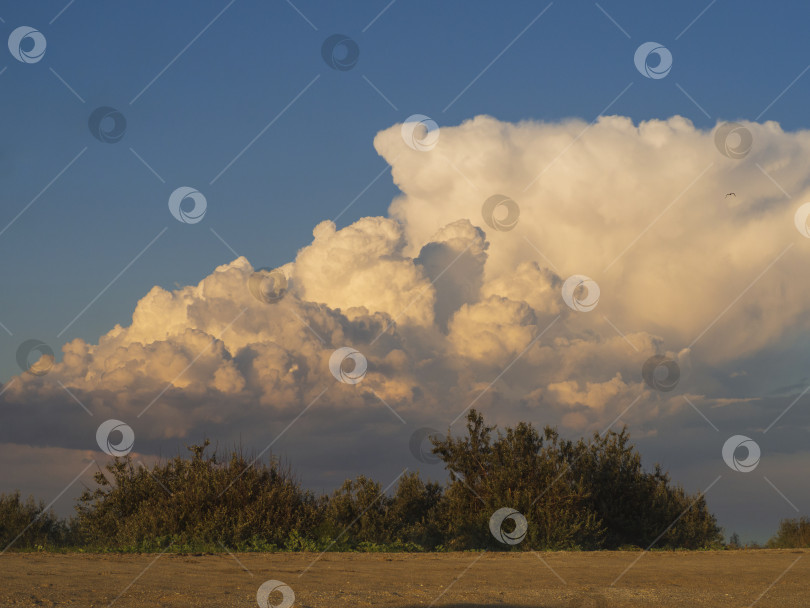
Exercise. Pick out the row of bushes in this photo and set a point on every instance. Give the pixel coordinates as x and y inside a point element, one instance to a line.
<point>588,494</point>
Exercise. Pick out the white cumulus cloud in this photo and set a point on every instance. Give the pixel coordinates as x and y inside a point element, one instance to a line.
<point>451,313</point>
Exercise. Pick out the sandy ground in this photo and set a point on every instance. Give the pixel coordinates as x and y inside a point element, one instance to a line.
<point>587,580</point>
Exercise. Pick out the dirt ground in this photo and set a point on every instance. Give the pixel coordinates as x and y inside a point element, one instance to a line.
<point>462,580</point>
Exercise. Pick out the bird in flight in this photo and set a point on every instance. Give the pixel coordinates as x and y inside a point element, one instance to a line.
<point>731,194</point>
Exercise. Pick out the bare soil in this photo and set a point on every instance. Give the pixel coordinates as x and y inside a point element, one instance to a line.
<point>764,578</point>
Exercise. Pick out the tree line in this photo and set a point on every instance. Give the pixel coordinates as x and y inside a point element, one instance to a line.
<point>570,495</point>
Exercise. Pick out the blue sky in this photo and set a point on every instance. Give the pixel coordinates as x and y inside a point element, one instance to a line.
<point>198,81</point>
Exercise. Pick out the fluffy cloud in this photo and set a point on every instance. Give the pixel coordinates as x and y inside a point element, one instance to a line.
<point>639,208</point>
<point>362,267</point>
<point>450,312</point>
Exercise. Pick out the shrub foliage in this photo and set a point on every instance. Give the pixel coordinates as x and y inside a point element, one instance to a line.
<point>27,523</point>
<point>589,494</point>
<point>792,534</point>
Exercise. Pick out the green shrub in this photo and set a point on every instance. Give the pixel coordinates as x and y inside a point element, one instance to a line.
<point>28,525</point>
<point>518,469</point>
<point>194,500</point>
<point>792,534</point>
<point>585,495</point>
<point>636,507</point>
